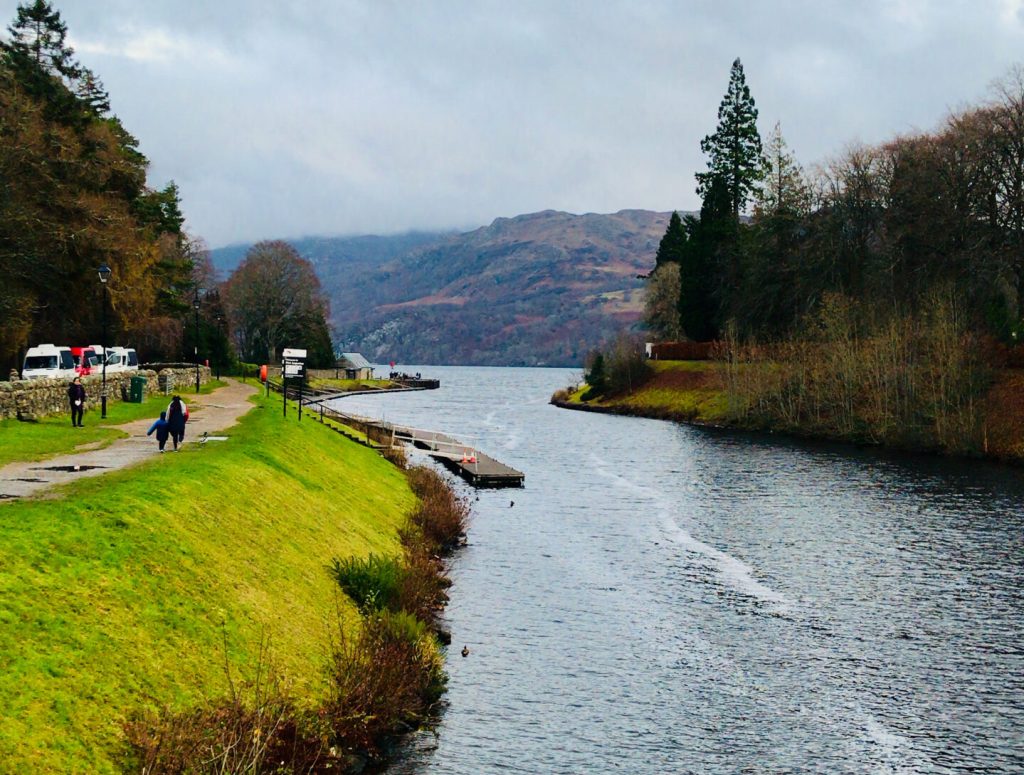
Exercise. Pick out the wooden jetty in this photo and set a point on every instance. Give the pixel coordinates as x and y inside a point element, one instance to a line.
<point>471,464</point>
<point>465,460</point>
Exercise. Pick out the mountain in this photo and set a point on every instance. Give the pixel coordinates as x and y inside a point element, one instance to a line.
<point>535,290</point>
<point>355,252</point>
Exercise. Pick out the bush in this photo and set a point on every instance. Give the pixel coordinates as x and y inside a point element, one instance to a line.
<point>384,680</point>
<point>441,516</point>
<point>256,728</point>
<point>372,583</point>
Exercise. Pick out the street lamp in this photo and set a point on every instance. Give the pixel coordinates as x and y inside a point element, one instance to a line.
<point>104,273</point>
<point>220,344</point>
<point>195,305</point>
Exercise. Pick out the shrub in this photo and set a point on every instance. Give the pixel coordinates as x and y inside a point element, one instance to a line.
<point>422,591</point>
<point>561,395</point>
<point>255,728</point>
<point>372,583</point>
<point>383,680</point>
<point>442,516</point>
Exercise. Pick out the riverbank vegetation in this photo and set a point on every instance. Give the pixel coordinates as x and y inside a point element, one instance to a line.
<point>166,588</point>
<point>877,298</point>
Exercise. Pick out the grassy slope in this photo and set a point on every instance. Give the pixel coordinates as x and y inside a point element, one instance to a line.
<point>679,390</point>
<point>121,593</point>
<point>54,435</point>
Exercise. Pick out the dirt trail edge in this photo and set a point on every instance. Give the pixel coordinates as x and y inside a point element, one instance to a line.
<point>210,414</point>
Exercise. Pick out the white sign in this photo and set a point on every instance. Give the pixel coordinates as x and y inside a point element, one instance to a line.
<point>291,352</point>
<point>293,369</point>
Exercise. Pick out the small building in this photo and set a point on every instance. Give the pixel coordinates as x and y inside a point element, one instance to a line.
<point>355,366</point>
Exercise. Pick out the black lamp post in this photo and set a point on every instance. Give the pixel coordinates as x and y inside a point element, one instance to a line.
<point>220,344</point>
<point>195,304</point>
<point>104,273</point>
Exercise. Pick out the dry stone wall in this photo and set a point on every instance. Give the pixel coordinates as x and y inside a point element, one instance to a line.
<point>33,398</point>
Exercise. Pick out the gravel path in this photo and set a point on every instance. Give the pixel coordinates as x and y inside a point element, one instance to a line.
<point>212,414</point>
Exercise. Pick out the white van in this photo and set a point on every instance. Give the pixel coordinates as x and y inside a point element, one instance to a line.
<point>48,360</point>
<point>122,359</point>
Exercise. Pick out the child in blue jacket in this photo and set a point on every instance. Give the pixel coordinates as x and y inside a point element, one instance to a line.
<point>162,428</point>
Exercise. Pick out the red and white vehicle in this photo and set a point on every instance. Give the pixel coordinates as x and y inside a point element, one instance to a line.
<point>87,360</point>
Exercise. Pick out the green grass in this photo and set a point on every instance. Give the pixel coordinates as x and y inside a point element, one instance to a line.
<point>52,436</point>
<point>350,384</point>
<point>678,389</point>
<point>118,595</point>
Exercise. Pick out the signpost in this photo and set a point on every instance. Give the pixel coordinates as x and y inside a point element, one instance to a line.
<point>293,365</point>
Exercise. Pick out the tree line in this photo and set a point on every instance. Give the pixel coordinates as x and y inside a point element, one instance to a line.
<point>74,196</point>
<point>885,226</point>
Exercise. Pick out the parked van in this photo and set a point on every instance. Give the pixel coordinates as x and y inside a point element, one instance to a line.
<point>48,360</point>
<point>122,359</point>
<point>87,360</point>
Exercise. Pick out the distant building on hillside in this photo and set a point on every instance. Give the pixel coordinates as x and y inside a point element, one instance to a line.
<point>355,366</point>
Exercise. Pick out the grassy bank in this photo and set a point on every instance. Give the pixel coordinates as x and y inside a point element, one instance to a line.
<point>703,392</point>
<point>686,391</point>
<point>127,592</point>
<point>350,384</point>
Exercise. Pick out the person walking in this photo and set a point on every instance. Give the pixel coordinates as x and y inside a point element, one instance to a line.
<point>177,416</point>
<point>76,397</point>
<point>162,428</point>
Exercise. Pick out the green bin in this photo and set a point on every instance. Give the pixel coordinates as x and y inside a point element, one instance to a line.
<point>138,390</point>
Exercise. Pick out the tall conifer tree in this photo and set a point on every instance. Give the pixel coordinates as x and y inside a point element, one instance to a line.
<point>734,150</point>
<point>670,249</point>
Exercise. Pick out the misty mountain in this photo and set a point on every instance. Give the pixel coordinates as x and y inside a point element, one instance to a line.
<point>535,290</point>
<point>356,252</point>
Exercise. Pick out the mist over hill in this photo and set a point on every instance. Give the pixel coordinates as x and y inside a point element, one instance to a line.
<point>540,289</point>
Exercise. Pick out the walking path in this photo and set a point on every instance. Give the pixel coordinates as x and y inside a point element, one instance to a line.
<point>210,413</point>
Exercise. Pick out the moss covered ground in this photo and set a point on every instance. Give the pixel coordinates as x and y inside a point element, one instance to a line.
<point>137,588</point>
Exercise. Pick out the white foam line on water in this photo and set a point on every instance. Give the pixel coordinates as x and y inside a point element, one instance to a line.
<point>895,754</point>
<point>735,573</point>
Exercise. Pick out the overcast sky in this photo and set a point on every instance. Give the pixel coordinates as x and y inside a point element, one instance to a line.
<point>283,119</point>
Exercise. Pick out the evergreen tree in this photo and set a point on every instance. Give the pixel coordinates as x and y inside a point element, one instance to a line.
<point>734,150</point>
<point>670,249</point>
<point>785,192</point>
<point>711,238</point>
<point>90,92</point>
<point>38,34</point>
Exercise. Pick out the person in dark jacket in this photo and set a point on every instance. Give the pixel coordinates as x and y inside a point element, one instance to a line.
<point>177,414</point>
<point>162,428</point>
<point>76,397</point>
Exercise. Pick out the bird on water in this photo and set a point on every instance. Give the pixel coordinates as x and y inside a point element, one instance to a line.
<point>465,651</point>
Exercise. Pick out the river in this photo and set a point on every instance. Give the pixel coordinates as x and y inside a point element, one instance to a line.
<point>669,599</point>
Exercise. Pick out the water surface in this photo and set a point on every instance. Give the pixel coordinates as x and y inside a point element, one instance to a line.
<point>668,599</point>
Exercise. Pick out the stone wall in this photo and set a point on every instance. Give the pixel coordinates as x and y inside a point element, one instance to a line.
<point>33,398</point>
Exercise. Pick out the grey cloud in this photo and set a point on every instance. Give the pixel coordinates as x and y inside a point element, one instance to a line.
<point>282,119</point>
